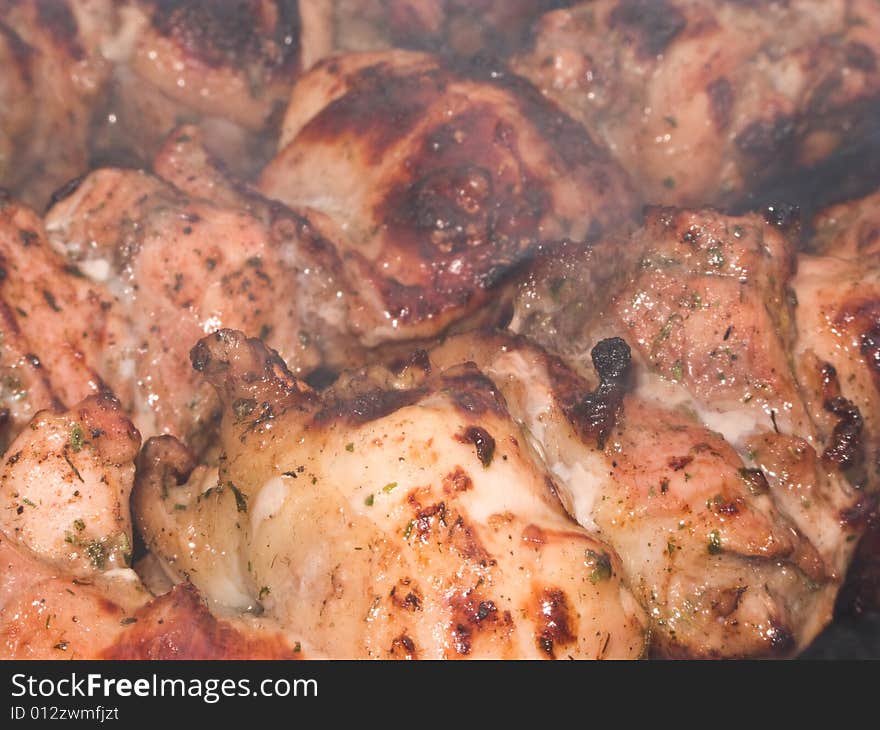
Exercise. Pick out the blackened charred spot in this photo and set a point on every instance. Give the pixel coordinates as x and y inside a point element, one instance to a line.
<point>466,543</point>
<point>721,98</point>
<point>417,360</point>
<point>482,441</point>
<point>407,596</point>
<point>473,392</point>
<point>780,637</point>
<point>870,347</point>
<point>226,33</point>
<point>782,215</point>
<point>457,480</point>
<point>755,481</point>
<point>595,414</point>
<point>552,617</point>
<point>860,56</point>
<point>453,205</point>
<point>368,406</point>
<point>846,449</point>
<point>570,141</point>
<point>473,614</point>
<point>66,190</point>
<point>764,140</point>
<point>381,108</point>
<point>429,521</point>
<point>57,17</point>
<point>862,513</point>
<point>656,23</point>
<point>403,647</point>
<point>677,463</point>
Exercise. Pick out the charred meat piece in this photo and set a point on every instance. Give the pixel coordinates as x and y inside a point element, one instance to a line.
<point>436,182</point>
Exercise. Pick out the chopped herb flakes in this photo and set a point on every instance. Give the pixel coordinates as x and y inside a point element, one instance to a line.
<point>77,439</point>
<point>601,566</point>
<point>714,542</point>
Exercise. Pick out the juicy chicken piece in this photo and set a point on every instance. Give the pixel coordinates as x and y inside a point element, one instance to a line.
<point>177,267</point>
<point>226,65</point>
<point>702,99</point>
<point>704,301</point>
<point>66,589</point>
<point>397,515</point>
<point>838,354</point>
<point>720,568</point>
<point>433,183</point>
<point>51,75</point>
<point>54,325</point>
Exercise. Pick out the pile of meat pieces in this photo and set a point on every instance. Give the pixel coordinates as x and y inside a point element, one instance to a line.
<point>416,374</point>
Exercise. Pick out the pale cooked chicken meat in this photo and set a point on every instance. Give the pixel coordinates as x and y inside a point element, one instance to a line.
<point>631,440</point>
<point>706,308</point>
<point>394,516</point>
<point>51,75</point>
<point>55,324</point>
<point>701,100</point>
<point>434,182</point>
<point>66,588</point>
<point>174,267</point>
<point>838,318</point>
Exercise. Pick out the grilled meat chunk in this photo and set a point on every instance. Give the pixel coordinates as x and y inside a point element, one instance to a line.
<point>435,183</point>
<point>718,347</point>
<point>393,516</point>
<point>701,100</point>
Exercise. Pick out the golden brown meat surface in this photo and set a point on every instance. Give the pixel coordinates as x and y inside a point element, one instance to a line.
<point>393,516</point>
<point>55,324</point>
<point>173,268</point>
<point>66,588</point>
<point>433,183</point>
<point>838,321</point>
<point>701,100</point>
<point>705,303</point>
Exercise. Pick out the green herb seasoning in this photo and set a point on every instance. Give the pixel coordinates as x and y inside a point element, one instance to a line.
<point>77,439</point>
<point>714,542</point>
<point>601,566</point>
